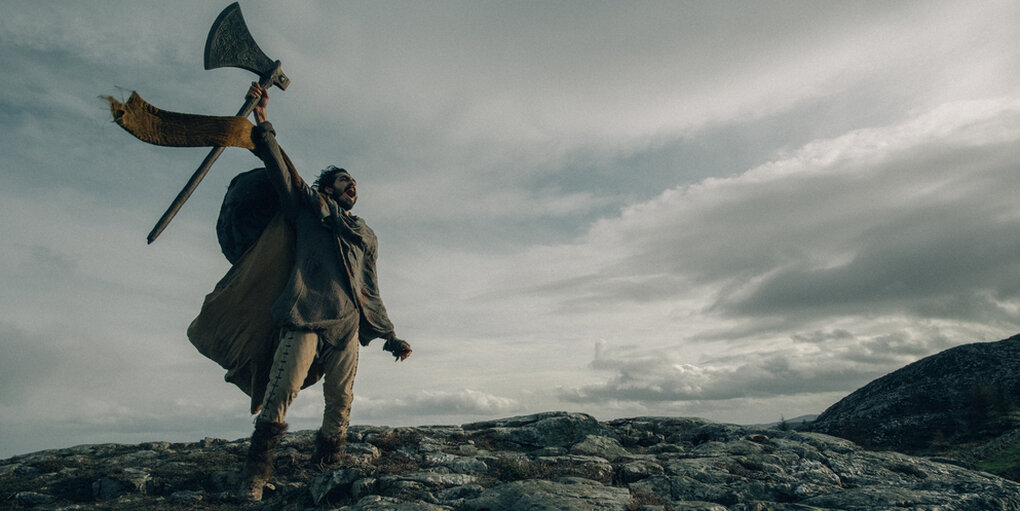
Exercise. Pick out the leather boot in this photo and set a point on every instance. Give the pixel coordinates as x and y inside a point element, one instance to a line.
<point>258,465</point>
<point>327,450</point>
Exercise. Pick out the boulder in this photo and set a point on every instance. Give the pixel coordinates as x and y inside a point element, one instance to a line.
<point>549,429</point>
<point>333,485</point>
<point>378,503</point>
<point>568,494</point>
<point>601,446</point>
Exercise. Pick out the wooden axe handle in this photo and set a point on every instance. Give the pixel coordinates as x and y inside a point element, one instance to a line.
<point>207,163</point>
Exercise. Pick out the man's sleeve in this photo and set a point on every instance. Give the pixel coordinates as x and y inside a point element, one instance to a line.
<point>291,189</point>
<point>375,322</point>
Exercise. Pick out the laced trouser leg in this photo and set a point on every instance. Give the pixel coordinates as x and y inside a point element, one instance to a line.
<point>294,355</point>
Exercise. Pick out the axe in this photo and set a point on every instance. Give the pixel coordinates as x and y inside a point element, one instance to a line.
<point>229,45</point>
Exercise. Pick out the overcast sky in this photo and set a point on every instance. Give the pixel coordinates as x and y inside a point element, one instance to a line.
<point>735,210</point>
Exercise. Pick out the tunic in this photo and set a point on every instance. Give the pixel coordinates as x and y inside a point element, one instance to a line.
<point>295,276</point>
<point>332,288</point>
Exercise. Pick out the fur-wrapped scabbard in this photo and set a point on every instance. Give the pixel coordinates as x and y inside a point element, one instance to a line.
<point>173,129</point>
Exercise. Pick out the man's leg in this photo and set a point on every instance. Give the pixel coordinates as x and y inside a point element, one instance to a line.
<point>294,355</point>
<point>340,365</point>
<point>258,465</point>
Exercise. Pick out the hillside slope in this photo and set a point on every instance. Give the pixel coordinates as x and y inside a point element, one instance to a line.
<point>962,396</point>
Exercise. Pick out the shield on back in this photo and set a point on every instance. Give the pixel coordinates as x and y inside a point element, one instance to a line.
<point>248,206</point>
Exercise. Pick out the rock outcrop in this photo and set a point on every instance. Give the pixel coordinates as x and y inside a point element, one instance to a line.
<point>969,394</point>
<point>550,461</point>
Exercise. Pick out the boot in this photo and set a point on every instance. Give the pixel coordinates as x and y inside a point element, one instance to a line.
<point>258,465</point>
<point>327,450</point>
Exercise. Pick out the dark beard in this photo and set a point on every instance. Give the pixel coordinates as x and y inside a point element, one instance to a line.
<point>342,200</point>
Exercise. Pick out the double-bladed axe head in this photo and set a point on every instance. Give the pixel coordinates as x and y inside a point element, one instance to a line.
<point>231,45</point>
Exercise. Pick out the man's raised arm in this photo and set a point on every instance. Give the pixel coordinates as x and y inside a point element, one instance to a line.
<point>288,185</point>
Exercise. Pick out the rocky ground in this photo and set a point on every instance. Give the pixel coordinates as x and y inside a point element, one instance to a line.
<point>550,461</point>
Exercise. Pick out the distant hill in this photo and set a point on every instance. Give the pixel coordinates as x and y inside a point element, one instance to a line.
<point>944,404</point>
<point>795,423</point>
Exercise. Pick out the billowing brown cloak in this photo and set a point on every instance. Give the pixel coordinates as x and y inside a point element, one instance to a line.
<point>235,327</point>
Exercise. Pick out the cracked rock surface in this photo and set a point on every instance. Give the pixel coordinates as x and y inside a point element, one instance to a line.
<point>547,461</point>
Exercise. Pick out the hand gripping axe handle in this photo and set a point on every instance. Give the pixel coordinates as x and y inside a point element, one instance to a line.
<point>229,44</point>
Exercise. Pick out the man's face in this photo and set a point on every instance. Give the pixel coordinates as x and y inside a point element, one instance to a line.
<point>344,190</point>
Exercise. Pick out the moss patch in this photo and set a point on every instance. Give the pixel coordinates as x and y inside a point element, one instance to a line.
<point>1005,463</point>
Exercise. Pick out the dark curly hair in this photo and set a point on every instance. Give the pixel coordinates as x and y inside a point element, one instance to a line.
<point>327,177</point>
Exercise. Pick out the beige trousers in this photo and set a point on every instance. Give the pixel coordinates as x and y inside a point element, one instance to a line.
<point>294,355</point>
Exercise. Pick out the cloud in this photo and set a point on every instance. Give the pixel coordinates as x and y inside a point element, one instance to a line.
<point>899,228</point>
<point>842,261</point>
<point>29,361</point>
<point>69,386</point>
<point>486,116</point>
<point>913,219</point>
<point>537,84</point>
<point>102,421</point>
<point>822,362</point>
<point>466,402</point>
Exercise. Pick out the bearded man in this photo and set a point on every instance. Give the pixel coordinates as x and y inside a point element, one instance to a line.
<point>329,306</point>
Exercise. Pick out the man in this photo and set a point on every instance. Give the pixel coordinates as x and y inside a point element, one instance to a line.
<point>329,306</point>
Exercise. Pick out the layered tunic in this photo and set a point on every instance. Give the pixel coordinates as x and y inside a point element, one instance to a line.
<point>313,268</point>
<point>332,289</point>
